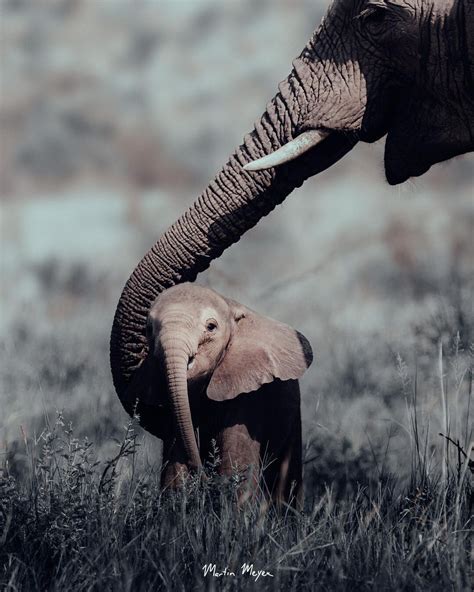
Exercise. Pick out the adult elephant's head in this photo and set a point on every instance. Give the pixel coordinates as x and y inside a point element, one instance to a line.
<point>396,67</point>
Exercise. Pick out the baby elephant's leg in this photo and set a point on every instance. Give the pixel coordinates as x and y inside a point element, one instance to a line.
<point>283,464</point>
<point>235,426</point>
<point>240,455</point>
<point>289,488</point>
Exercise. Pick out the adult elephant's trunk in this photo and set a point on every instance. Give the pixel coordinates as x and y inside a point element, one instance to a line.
<point>232,203</point>
<point>175,358</point>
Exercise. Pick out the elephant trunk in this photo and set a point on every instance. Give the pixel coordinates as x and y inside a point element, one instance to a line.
<point>232,203</point>
<point>175,357</point>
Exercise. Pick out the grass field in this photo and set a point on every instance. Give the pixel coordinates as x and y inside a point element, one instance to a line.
<point>387,515</point>
<point>76,524</point>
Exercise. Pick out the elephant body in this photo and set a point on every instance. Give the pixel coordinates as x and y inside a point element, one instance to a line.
<point>256,434</point>
<point>220,375</point>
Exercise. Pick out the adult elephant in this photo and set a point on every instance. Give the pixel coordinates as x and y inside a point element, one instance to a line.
<point>396,67</point>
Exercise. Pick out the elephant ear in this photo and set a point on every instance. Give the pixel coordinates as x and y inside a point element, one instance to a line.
<point>260,351</point>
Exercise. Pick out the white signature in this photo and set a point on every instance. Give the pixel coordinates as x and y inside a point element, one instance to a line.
<point>246,569</point>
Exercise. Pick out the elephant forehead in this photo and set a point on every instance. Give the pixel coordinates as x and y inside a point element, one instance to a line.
<point>188,299</point>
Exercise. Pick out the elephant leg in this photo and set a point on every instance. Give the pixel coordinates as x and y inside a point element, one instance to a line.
<point>240,454</point>
<point>235,427</point>
<point>289,483</point>
<point>174,468</point>
<point>283,449</point>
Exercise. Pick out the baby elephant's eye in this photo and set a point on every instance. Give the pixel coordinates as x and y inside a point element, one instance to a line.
<point>211,325</point>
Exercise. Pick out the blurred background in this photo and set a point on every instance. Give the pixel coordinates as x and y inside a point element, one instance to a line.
<point>114,115</point>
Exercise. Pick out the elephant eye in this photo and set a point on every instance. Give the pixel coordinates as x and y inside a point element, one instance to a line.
<point>211,325</point>
<point>374,14</point>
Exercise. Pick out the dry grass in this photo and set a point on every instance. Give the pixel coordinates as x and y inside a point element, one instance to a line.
<point>70,520</point>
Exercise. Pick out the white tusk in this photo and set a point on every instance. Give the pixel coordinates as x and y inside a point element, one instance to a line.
<point>287,152</point>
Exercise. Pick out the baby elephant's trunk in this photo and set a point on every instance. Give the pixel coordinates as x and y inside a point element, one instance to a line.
<point>176,359</point>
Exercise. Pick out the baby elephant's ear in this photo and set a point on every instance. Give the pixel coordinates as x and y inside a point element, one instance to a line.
<point>260,350</point>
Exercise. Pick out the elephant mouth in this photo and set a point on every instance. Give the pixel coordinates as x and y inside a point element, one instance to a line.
<point>408,153</point>
<point>403,166</point>
<point>401,161</point>
<point>196,374</point>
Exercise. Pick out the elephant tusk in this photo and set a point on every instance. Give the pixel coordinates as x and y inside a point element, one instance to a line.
<point>289,151</point>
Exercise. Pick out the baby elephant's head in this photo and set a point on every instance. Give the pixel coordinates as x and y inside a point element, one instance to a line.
<point>200,339</point>
<point>190,326</point>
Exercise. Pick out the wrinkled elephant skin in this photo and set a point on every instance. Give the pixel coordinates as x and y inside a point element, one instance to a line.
<point>400,68</point>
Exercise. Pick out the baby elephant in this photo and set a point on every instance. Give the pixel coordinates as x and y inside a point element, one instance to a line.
<point>217,370</point>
